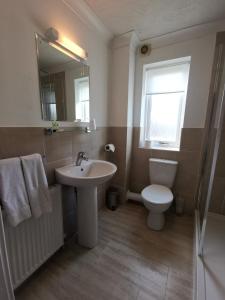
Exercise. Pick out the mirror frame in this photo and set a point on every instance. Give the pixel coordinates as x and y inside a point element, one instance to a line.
<point>73,56</point>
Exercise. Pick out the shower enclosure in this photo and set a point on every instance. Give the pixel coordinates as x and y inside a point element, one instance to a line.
<point>210,213</point>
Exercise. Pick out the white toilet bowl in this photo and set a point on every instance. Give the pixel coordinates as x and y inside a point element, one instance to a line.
<point>157,199</point>
<point>158,196</point>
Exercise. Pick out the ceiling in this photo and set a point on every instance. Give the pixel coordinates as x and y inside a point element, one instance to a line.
<point>152,18</point>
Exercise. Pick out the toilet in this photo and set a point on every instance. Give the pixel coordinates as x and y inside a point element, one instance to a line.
<point>158,196</point>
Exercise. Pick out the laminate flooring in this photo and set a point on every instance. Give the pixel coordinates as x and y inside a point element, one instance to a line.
<point>130,262</point>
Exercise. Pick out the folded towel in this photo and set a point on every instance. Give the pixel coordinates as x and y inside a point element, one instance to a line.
<point>13,193</point>
<point>36,185</point>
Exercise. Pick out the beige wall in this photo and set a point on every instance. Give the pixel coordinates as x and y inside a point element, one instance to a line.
<point>20,105</point>
<point>57,150</point>
<point>121,106</point>
<point>21,126</point>
<point>201,50</point>
<point>19,92</point>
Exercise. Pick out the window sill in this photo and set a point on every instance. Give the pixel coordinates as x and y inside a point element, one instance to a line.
<point>164,148</point>
<point>147,146</point>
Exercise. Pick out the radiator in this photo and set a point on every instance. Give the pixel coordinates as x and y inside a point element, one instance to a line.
<point>33,241</point>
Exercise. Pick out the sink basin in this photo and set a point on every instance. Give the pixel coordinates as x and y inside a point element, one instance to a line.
<point>86,178</point>
<point>92,172</point>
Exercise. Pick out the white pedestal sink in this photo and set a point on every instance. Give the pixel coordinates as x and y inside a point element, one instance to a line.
<point>86,178</point>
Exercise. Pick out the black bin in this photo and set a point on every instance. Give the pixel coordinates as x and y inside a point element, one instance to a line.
<point>112,198</point>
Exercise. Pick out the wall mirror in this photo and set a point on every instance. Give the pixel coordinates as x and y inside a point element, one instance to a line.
<point>64,84</point>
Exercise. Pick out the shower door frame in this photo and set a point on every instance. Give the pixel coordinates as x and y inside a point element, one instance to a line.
<point>216,110</point>
<point>213,168</point>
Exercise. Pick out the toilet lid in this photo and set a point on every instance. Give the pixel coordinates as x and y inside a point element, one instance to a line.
<point>157,194</point>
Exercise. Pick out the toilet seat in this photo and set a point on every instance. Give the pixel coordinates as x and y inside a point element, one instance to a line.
<point>157,194</point>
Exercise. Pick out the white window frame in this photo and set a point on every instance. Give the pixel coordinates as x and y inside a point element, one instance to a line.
<point>146,108</point>
<point>76,84</point>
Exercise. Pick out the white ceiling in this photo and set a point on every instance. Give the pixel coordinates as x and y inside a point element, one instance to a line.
<point>155,17</point>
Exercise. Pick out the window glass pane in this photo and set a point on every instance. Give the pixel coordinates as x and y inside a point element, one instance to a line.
<point>163,117</point>
<point>84,109</point>
<point>167,79</point>
<point>83,88</point>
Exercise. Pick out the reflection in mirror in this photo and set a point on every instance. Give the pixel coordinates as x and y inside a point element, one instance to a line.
<point>64,84</point>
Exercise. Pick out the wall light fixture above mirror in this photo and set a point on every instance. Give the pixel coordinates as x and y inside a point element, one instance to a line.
<point>64,82</point>
<point>65,44</point>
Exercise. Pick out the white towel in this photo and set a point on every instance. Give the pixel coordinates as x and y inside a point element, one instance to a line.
<point>36,185</point>
<point>13,191</point>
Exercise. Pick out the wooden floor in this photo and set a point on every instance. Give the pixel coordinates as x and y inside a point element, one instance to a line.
<point>129,262</point>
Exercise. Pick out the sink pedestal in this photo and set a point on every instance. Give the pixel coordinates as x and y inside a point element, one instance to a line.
<point>87,206</point>
<point>86,178</point>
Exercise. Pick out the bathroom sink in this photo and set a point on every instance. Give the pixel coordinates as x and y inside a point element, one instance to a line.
<point>86,179</point>
<point>90,173</point>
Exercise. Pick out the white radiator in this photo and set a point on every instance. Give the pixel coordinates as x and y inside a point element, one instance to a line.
<point>32,242</point>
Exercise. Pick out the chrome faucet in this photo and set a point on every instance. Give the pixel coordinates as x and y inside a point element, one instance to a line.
<point>81,156</point>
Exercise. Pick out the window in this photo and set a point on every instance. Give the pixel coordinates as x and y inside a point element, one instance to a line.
<point>163,103</point>
<point>82,98</point>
